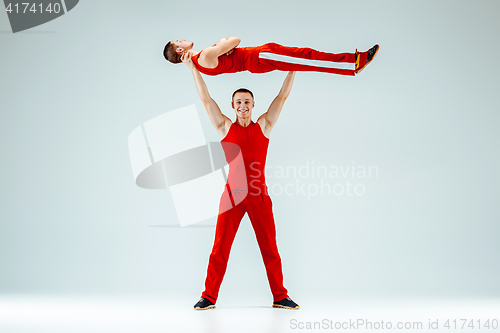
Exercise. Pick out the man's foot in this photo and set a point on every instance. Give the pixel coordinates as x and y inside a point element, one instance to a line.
<point>286,303</point>
<point>204,304</point>
<point>364,58</point>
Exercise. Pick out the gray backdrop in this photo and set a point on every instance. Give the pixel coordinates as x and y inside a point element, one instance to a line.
<point>424,113</point>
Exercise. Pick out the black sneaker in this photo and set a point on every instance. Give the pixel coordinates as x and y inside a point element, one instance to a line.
<point>361,61</point>
<point>286,303</point>
<point>371,53</point>
<point>204,304</point>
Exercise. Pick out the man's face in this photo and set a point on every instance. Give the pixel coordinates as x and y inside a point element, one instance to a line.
<point>182,45</point>
<point>243,104</point>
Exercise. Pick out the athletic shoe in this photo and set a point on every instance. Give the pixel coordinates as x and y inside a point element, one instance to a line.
<point>362,59</point>
<point>204,304</point>
<point>286,303</point>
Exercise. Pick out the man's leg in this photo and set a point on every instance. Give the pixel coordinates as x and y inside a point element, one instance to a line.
<point>260,212</point>
<point>273,56</point>
<point>227,225</point>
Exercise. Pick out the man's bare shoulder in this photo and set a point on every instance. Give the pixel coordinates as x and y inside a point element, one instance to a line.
<point>208,58</point>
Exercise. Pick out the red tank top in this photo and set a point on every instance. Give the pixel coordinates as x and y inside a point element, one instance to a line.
<point>253,146</point>
<point>242,59</point>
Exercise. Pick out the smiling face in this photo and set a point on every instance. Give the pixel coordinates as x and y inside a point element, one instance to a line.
<point>243,104</point>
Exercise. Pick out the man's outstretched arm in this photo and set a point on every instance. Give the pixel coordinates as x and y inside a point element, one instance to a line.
<point>268,119</point>
<point>219,121</point>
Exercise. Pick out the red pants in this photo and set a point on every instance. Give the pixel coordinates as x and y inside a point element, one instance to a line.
<point>273,56</point>
<point>259,209</point>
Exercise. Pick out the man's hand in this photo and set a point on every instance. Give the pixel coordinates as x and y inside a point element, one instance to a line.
<point>186,59</point>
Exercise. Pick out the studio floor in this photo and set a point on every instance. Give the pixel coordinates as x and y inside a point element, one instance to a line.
<point>54,314</point>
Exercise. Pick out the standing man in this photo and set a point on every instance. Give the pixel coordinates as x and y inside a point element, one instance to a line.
<point>246,190</point>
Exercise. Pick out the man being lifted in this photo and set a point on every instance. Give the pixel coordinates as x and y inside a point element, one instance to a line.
<point>226,57</point>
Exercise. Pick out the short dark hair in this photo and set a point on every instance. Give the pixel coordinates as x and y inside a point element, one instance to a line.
<point>170,54</point>
<point>243,90</point>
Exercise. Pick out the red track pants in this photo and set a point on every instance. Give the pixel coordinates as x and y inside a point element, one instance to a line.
<point>273,56</point>
<point>259,209</point>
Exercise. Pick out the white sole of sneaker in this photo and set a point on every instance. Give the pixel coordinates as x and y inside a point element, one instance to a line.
<point>207,308</point>
<point>285,307</point>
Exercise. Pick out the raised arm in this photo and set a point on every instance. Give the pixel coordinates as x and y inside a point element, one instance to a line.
<point>219,121</point>
<point>268,119</point>
<point>208,57</point>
